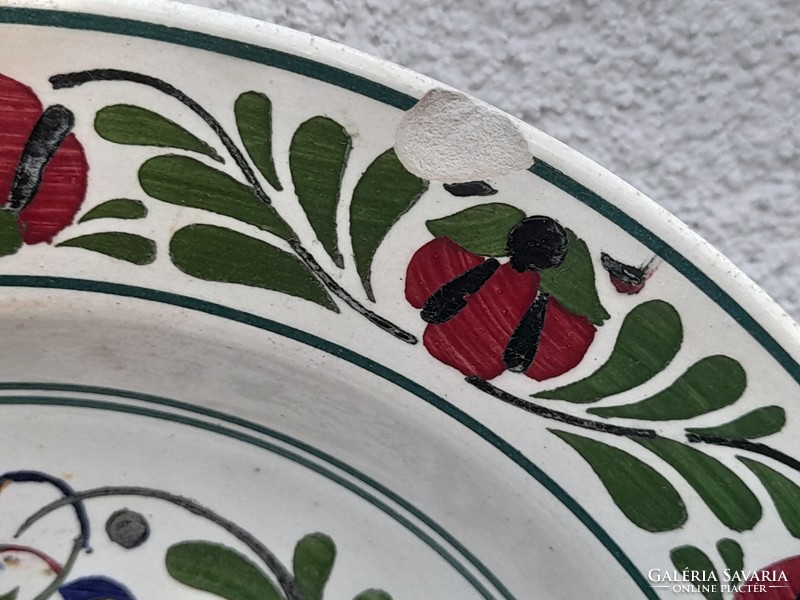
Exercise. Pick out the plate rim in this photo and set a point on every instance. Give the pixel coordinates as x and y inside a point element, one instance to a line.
<point>710,272</point>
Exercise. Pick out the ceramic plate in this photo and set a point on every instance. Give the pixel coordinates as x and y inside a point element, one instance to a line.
<point>283,321</point>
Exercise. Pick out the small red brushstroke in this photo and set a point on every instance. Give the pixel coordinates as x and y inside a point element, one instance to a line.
<point>65,178</point>
<point>626,288</point>
<point>475,339</point>
<point>627,279</point>
<point>54,565</point>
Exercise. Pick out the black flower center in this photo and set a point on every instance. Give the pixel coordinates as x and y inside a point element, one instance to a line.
<point>536,243</point>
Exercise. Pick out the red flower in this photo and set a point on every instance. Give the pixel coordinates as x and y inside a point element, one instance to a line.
<point>778,581</point>
<point>43,169</point>
<point>476,334</point>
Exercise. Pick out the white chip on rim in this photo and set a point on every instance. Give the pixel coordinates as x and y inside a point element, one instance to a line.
<point>450,137</point>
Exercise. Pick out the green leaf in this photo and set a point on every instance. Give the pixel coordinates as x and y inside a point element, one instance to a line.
<point>691,558</point>
<point>481,229</point>
<point>721,489</point>
<point>573,283</point>
<point>317,158</point>
<point>648,340</point>
<point>134,125</point>
<point>119,208</point>
<point>708,385</point>
<point>185,181</point>
<point>755,424</point>
<point>373,594</point>
<point>116,244</point>
<point>732,553</point>
<point>784,492</point>
<point>254,120</point>
<point>219,570</point>
<point>12,595</point>
<point>640,492</point>
<point>10,238</point>
<point>385,192</point>
<point>313,563</point>
<point>219,254</point>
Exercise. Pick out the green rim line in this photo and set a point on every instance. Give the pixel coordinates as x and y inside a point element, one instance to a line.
<point>204,41</point>
<point>254,441</point>
<point>245,318</point>
<point>282,437</point>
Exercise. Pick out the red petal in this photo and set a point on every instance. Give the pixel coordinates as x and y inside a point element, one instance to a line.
<point>19,111</point>
<point>565,339</point>
<point>474,340</point>
<point>60,195</point>
<point>436,263</point>
<point>64,180</point>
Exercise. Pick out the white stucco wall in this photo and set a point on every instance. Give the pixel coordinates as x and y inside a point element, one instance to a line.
<point>695,102</point>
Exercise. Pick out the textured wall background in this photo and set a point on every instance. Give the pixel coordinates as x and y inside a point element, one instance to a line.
<point>693,102</point>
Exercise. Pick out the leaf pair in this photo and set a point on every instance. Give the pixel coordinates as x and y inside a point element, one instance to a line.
<point>650,501</point>
<point>224,572</point>
<point>650,337</point>
<point>484,230</point>
<point>318,157</point>
<point>694,560</point>
<point>785,494</point>
<point>132,248</point>
<point>710,384</point>
<point>648,340</point>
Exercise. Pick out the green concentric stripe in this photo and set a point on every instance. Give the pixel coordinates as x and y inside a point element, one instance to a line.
<point>274,434</point>
<point>270,447</point>
<point>204,41</point>
<point>218,310</point>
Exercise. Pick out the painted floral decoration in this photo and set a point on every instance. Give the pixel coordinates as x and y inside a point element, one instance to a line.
<point>497,290</point>
<point>485,317</point>
<point>43,169</point>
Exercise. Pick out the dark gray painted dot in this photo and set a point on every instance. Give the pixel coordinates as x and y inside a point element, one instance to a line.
<point>127,528</point>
